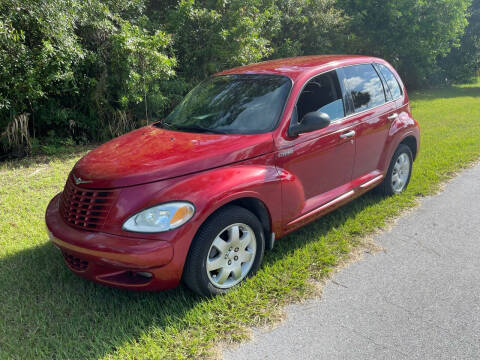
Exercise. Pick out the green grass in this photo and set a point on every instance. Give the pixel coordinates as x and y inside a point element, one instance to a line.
<point>46,312</point>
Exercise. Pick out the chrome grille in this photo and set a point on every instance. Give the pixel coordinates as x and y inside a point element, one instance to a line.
<point>85,208</point>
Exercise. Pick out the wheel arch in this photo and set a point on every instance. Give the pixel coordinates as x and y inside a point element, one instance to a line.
<point>411,142</point>
<point>259,209</point>
<point>254,205</point>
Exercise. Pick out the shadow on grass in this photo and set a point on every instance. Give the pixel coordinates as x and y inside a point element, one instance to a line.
<point>48,312</point>
<point>321,227</point>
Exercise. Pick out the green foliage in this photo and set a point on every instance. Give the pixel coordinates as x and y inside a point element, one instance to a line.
<point>72,64</point>
<point>307,27</point>
<point>37,54</point>
<point>92,69</point>
<point>463,63</point>
<point>412,34</point>
<point>47,312</point>
<point>138,56</point>
<point>217,35</point>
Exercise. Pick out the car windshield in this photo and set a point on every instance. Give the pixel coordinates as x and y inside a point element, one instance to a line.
<point>232,104</point>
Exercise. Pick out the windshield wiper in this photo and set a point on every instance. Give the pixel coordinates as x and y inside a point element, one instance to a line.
<point>192,128</point>
<point>197,128</point>
<point>163,125</point>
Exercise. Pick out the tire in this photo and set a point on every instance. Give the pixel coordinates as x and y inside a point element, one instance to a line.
<point>221,256</point>
<point>397,178</point>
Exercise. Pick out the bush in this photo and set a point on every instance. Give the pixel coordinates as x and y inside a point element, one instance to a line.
<point>411,34</point>
<point>308,27</point>
<point>73,65</point>
<point>463,63</point>
<point>92,69</point>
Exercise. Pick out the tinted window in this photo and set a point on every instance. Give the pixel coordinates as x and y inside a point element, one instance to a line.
<point>365,86</point>
<point>322,94</point>
<point>391,80</point>
<point>232,104</point>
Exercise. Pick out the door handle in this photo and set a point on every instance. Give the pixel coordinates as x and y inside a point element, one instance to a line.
<point>393,117</point>
<point>348,135</point>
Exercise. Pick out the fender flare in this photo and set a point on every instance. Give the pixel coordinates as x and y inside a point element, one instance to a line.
<point>225,185</point>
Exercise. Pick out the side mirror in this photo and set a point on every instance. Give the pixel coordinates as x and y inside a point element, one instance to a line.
<point>311,121</point>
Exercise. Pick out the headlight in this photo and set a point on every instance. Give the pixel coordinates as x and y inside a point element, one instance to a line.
<point>160,218</point>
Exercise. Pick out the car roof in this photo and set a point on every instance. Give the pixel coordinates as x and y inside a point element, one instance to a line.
<point>295,66</point>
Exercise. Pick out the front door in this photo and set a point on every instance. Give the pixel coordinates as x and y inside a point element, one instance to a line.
<point>322,160</point>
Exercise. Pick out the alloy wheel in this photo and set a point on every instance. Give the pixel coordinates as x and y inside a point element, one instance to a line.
<point>400,173</point>
<point>231,255</point>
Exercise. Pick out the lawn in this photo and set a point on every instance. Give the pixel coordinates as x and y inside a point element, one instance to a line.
<point>46,312</point>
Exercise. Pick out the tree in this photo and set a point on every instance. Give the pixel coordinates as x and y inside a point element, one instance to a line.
<point>213,35</point>
<point>463,63</point>
<point>307,27</point>
<point>139,57</point>
<point>72,64</point>
<point>412,34</point>
<point>92,69</point>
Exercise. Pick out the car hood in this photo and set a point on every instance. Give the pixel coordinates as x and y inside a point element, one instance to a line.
<point>150,154</point>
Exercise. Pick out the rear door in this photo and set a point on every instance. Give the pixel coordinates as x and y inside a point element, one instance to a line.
<point>373,114</point>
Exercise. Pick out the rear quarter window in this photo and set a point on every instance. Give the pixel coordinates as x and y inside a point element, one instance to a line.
<point>391,80</point>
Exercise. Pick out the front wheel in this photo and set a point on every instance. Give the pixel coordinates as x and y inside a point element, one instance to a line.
<point>399,172</point>
<point>227,249</point>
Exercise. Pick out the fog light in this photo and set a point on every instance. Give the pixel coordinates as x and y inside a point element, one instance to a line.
<point>145,274</point>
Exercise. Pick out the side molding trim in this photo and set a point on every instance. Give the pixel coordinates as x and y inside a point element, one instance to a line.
<point>322,207</point>
<point>370,182</point>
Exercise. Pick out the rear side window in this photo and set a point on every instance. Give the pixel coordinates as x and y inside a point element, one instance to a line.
<point>391,80</point>
<point>364,86</point>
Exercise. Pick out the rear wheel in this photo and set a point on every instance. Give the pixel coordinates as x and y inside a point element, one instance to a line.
<point>228,248</point>
<point>399,172</point>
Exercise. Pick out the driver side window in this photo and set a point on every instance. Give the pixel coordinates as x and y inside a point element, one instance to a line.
<point>322,94</point>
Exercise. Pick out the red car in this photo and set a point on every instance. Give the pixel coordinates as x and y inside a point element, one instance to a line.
<point>248,156</point>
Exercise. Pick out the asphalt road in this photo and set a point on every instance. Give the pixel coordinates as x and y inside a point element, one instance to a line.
<point>419,299</point>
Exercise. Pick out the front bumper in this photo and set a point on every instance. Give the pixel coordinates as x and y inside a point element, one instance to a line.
<point>128,263</point>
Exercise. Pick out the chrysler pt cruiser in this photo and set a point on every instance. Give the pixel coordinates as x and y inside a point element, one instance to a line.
<point>249,155</point>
